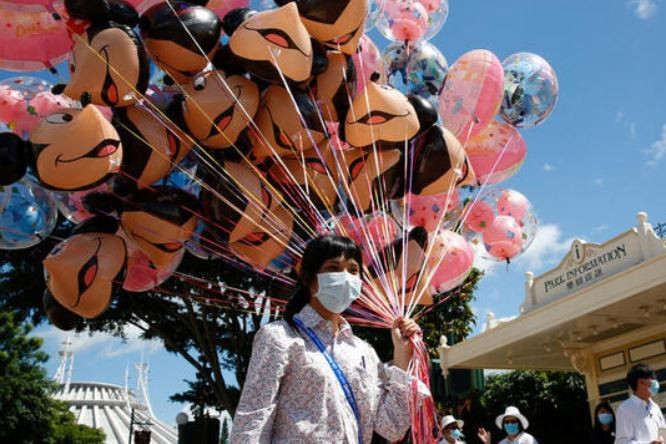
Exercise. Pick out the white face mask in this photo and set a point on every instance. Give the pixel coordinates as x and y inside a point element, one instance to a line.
<point>338,290</point>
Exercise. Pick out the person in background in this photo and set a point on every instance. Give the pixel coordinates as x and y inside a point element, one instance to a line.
<point>639,417</point>
<point>452,430</point>
<point>514,424</point>
<point>604,424</point>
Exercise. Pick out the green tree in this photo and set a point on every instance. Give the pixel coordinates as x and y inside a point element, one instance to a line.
<point>555,404</point>
<point>28,414</point>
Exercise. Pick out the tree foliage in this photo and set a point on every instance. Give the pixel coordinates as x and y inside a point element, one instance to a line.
<point>28,414</point>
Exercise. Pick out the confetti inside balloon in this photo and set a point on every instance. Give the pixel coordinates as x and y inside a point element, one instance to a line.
<point>496,153</point>
<point>530,90</point>
<point>450,261</point>
<point>28,214</point>
<point>418,68</point>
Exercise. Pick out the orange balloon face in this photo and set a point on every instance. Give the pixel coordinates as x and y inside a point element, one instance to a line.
<point>311,173</point>
<point>110,65</point>
<point>161,240</point>
<point>82,272</point>
<point>274,38</point>
<point>335,86</point>
<point>217,108</point>
<point>268,240</point>
<point>280,129</point>
<point>441,163</point>
<point>381,115</point>
<point>240,204</point>
<point>180,63</point>
<point>402,276</point>
<point>337,24</point>
<point>371,176</point>
<point>75,149</point>
<point>151,148</point>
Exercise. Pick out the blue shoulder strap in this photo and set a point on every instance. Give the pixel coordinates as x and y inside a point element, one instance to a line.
<point>339,374</point>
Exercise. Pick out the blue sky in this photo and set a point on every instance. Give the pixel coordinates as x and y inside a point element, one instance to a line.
<point>598,160</point>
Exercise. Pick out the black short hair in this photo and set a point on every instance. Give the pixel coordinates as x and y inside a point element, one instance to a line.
<point>639,371</point>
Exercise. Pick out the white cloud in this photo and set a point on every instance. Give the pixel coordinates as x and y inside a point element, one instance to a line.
<point>625,123</point>
<point>643,9</point>
<point>598,181</point>
<point>548,167</point>
<point>105,345</point>
<point>657,151</point>
<point>546,250</point>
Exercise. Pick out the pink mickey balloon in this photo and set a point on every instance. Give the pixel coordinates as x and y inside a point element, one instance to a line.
<point>503,239</point>
<point>430,212</point>
<point>367,60</point>
<point>514,204</point>
<point>11,103</point>
<point>496,153</point>
<point>450,262</point>
<point>408,19</point>
<point>431,5</point>
<point>479,216</point>
<point>472,93</point>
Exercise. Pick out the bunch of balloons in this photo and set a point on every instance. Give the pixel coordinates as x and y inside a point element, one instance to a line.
<point>237,134</point>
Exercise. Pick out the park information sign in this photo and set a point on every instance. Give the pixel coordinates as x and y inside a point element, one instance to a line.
<point>586,264</point>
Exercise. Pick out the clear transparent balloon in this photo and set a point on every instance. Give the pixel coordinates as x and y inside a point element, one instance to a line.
<point>28,214</point>
<point>70,203</point>
<point>411,20</point>
<point>500,224</point>
<point>418,68</point>
<point>531,90</point>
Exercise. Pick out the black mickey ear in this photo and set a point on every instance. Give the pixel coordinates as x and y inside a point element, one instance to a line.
<point>102,203</point>
<point>97,224</point>
<point>123,13</point>
<point>58,315</point>
<point>319,59</point>
<point>235,18</point>
<point>13,158</point>
<point>96,11</point>
<point>426,113</point>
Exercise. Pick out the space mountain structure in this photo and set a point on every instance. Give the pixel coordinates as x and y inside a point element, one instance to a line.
<point>117,410</point>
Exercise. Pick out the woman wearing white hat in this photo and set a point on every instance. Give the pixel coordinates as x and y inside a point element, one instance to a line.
<point>452,430</point>
<point>514,424</point>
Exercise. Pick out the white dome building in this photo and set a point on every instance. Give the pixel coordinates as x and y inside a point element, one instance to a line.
<point>110,407</point>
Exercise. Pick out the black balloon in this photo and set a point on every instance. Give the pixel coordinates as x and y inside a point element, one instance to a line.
<point>13,158</point>
<point>58,315</point>
<point>426,113</point>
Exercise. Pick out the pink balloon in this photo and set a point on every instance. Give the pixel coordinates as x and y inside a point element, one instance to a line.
<point>408,19</point>
<point>11,103</point>
<point>496,153</point>
<point>426,211</point>
<point>431,5</point>
<point>142,275</point>
<point>503,239</point>
<point>372,232</point>
<point>514,204</point>
<point>472,93</point>
<point>32,40</point>
<point>367,61</point>
<point>29,5</point>
<point>479,216</point>
<point>451,259</point>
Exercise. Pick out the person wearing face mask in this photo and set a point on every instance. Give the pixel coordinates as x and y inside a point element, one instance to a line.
<point>452,430</point>
<point>310,379</point>
<point>604,424</point>
<point>514,424</point>
<point>639,418</point>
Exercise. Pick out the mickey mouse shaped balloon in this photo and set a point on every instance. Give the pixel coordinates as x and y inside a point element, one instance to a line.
<point>108,65</point>
<point>151,148</point>
<point>338,24</point>
<point>217,109</point>
<point>380,117</point>
<point>335,86</point>
<point>83,272</point>
<point>71,149</point>
<point>181,37</point>
<point>270,44</point>
<point>284,127</point>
